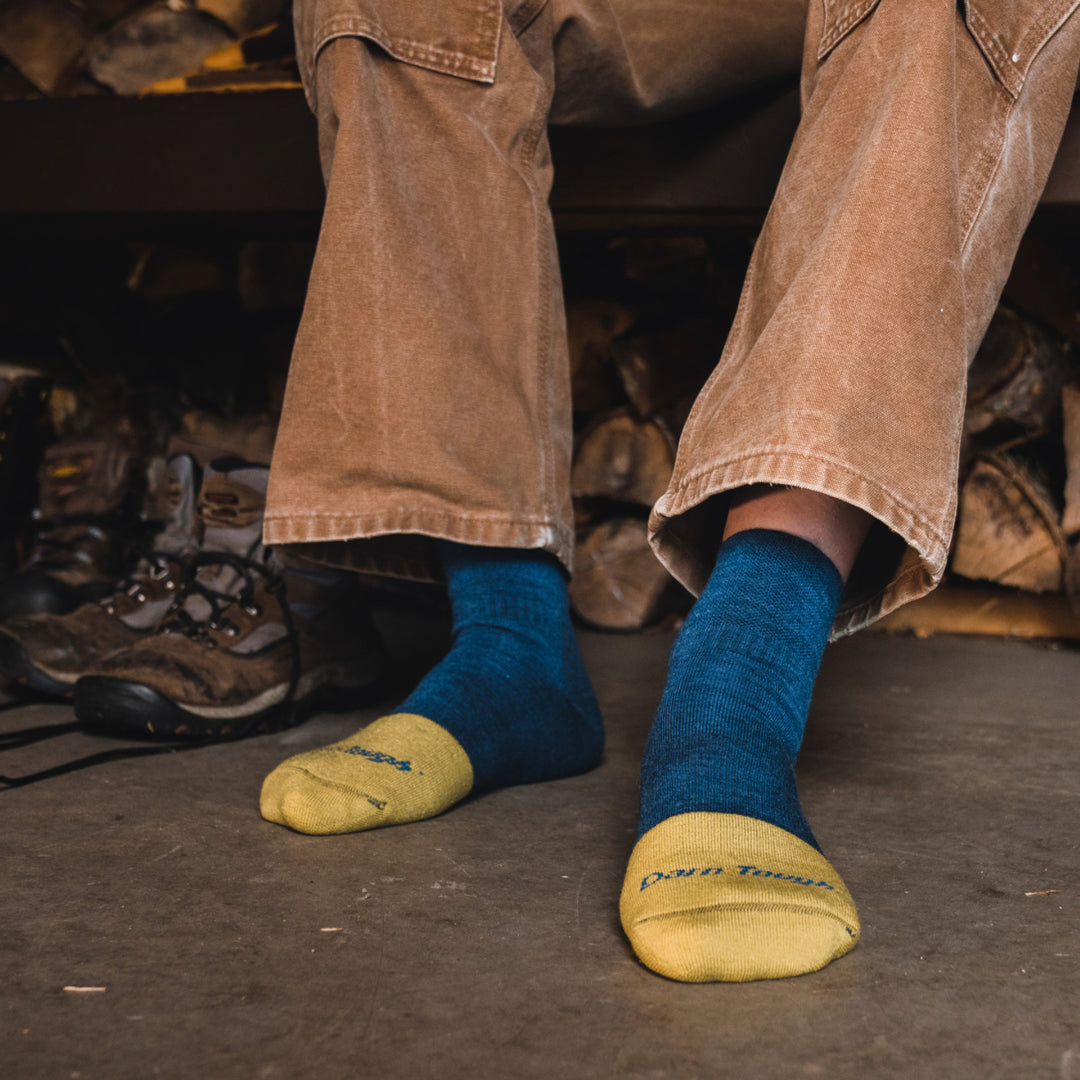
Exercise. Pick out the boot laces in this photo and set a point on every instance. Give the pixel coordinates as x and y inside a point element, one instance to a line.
<point>151,564</point>
<point>241,591</point>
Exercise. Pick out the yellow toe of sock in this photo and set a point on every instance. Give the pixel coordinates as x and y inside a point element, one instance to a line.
<point>722,897</point>
<point>400,768</point>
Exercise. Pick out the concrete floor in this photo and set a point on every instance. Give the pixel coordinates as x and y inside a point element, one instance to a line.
<point>942,778</point>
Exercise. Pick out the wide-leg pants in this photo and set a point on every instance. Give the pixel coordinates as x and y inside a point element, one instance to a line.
<point>429,393</point>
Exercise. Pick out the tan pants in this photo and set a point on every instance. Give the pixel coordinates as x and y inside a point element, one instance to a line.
<point>429,390</point>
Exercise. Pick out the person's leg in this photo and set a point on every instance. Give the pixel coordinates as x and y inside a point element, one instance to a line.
<point>509,704</point>
<point>727,880</point>
<point>837,404</point>
<point>429,391</point>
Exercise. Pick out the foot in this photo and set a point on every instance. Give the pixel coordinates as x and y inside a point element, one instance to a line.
<point>726,881</point>
<point>509,704</point>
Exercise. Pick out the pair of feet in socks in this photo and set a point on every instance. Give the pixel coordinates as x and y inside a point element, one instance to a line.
<point>726,881</point>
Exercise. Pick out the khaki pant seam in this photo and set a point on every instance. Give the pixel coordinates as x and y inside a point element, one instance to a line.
<point>988,167</point>
<point>525,15</point>
<point>692,422</point>
<point>691,485</point>
<point>527,170</point>
<point>848,18</point>
<point>862,612</point>
<point>443,61</point>
<point>282,528</point>
<point>546,521</point>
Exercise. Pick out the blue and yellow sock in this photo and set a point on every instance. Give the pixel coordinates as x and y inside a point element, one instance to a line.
<point>510,703</point>
<point>726,881</point>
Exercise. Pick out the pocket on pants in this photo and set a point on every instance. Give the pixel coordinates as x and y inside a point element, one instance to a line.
<point>1011,33</point>
<point>841,17</point>
<point>452,37</point>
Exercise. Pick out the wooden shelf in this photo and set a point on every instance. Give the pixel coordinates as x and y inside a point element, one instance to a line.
<point>225,153</point>
<point>255,153</point>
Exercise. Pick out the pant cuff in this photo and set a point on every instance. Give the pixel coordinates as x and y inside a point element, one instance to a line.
<point>903,558</point>
<point>398,543</point>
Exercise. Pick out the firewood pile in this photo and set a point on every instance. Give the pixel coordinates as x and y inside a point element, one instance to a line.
<point>66,48</point>
<point>1019,517</point>
<point>645,327</point>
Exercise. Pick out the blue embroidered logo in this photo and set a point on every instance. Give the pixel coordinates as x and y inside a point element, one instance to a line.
<point>653,878</point>
<point>752,871</point>
<point>380,758</point>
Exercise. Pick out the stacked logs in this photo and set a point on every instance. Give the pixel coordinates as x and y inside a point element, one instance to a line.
<point>637,363</point>
<point>1019,514</point>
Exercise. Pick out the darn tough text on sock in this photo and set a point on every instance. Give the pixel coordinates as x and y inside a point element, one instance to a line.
<point>743,871</point>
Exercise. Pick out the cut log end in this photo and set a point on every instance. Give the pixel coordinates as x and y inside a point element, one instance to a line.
<point>618,583</point>
<point>1009,527</point>
<point>623,459</point>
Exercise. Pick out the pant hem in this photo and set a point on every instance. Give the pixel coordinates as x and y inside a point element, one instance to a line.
<point>340,538</point>
<point>685,539</point>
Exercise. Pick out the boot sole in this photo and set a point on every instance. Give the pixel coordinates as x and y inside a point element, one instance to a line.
<point>128,709</point>
<point>16,664</point>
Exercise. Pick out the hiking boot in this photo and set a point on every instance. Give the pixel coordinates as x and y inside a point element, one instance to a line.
<point>84,521</point>
<point>251,645</point>
<point>49,652</point>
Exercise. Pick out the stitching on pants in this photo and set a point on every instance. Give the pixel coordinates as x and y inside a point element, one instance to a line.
<point>493,519</point>
<point>691,486</point>
<point>973,198</point>
<point>848,17</point>
<point>1013,73</point>
<point>320,528</point>
<point>529,146</point>
<point>519,21</point>
<point>443,61</point>
<point>998,54</point>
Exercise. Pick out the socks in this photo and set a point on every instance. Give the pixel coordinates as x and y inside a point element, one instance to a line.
<point>509,704</point>
<point>726,880</point>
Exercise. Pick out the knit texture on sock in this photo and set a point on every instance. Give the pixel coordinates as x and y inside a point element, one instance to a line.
<point>510,703</point>
<point>723,897</point>
<point>512,690</point>
<point>731,719</point>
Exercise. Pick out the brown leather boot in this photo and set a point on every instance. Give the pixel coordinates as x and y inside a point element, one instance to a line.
<point>250,646</point>
<point>50,652</point>
<point>86,515</point>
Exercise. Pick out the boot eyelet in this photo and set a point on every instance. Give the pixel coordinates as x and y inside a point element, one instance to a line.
<point>230,631</point>
<point>253,610</point>
<point>170,585</point>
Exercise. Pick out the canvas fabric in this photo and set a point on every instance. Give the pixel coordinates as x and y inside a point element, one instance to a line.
<point>429,394</point>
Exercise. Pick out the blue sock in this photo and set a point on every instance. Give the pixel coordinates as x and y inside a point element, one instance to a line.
<point>512,689</point>
<point>731,719</point>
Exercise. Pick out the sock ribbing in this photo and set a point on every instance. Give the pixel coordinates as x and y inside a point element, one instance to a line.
<point>731,719</point>
<point>513,689</point>
<point>726,881</point>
